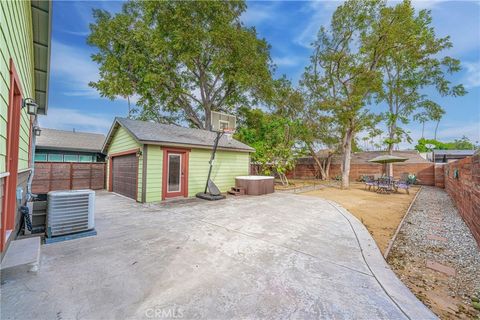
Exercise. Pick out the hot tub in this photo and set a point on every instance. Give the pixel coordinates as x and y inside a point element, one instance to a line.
<point>255,185</point>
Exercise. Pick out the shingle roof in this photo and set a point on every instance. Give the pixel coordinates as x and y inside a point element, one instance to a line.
<point>153,132</point>
<point>69,140</point>
<point>454,152</point>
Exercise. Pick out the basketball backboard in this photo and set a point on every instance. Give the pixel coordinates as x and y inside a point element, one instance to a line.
<point>223,122</point>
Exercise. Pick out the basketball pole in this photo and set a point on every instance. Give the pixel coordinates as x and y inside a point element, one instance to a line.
<point>212,157</point>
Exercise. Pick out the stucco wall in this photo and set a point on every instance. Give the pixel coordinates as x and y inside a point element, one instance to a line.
<point>16,43</point>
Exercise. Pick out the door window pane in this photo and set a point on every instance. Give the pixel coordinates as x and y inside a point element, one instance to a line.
<point>174,172</point>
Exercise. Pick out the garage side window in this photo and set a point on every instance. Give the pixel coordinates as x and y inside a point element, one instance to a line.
<point>40,157</point>
<point>85,158</point>
<point>70,158</point>
<point>55,157</point>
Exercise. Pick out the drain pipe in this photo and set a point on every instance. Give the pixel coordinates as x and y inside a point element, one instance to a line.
<point>30,196</point>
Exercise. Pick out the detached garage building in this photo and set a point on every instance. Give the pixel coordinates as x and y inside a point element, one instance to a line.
<point>149,162</point>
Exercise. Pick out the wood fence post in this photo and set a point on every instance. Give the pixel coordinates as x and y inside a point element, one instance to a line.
<point>71,175</point>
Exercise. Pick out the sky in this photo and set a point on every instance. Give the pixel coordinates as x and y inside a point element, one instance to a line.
<point>289,27</point>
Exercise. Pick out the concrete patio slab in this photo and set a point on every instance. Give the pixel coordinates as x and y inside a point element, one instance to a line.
<point>274,256</point>
<point>22,255</point>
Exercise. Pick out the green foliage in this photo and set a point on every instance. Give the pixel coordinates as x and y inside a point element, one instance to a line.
<point>458,144</point>
<point>414,64</point>
<point>274,138</point>
<point>182,59</point>
<point>343,74</point>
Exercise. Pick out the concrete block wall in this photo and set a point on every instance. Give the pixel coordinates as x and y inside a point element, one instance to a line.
<point>462,182</point>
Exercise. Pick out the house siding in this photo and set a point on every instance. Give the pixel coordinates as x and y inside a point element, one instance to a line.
<point>154,173</point>
<point>16,43</point>
<point>123,141</point>
<point>227,165</point>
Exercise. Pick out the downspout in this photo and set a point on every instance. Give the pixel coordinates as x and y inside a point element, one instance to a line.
<point>29,194</point>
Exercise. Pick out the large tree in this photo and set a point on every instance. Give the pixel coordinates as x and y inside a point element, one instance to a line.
<point>343,73</point>
<point>315,130</point>
<point>181,59</point>
<point>413,65</point>
<point>275,139</point>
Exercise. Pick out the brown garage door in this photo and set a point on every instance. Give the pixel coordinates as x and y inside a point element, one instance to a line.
<point>124,178</point>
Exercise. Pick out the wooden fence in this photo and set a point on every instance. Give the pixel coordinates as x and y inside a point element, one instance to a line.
<point>68,176</point>
<point>425,172</point>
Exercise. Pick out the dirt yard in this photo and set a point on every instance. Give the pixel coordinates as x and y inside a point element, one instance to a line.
<point>380,213</point>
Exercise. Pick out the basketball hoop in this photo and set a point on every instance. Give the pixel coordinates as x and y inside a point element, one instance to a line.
<point>220,124</point>
<point>228,133</point>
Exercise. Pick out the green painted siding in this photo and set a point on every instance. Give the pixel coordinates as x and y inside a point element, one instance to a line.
<point>123,141</point>
<point>154,173</point>
<point>227,166</point>
<point>16,42</point>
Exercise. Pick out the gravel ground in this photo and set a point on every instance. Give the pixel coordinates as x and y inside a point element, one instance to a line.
<point>433,213</point>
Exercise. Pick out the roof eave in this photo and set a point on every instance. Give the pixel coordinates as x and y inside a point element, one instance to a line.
<point>196,146</point>
<point>41,16</point>
<point>111,132</point>
<point>67,149</point>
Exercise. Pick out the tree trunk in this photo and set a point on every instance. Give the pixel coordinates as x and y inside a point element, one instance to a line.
<point>346,155</point>
<point>317,161</point>
<point>436,128</point>
<point>208,121</point>
<point>423,129</point>
<point>327,166</point>
<point>389,166</point>
<point>391,136</point>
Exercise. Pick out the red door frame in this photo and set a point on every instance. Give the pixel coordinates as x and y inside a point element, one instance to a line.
<point>11,159</point>
<point>184,182</point>
<point>110,168</point>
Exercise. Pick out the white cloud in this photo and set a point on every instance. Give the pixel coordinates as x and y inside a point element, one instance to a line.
<point>73,67</point>
<point>287,61</point>
<point>321,13</point>
<point>68,119</point>
<point>258,12</point>
<point>472,76</point>
<point>425,4</point>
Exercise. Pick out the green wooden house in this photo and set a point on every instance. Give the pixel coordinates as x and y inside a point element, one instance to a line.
<point>24,69</point>
<point>151,162</point>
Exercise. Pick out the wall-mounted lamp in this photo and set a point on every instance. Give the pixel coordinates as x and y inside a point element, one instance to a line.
<point>37,131</point>
<point>31,105</point>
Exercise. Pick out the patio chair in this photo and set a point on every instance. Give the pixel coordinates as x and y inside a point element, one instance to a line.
<point>385,185</point>
<point>403,184</point>
<point>370,182</point>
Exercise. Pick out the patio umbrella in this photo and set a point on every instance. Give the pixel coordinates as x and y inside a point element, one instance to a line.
<point>387,159</point>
